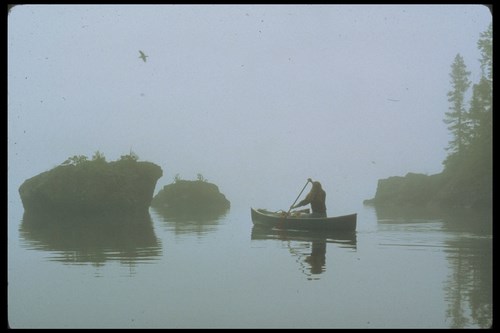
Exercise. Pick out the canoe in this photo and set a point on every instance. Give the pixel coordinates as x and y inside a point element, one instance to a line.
<point>345,238</point>
<point>280,220</point>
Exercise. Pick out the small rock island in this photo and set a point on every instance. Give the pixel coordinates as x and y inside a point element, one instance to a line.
<point>92,187</point>
<point>190,197</point>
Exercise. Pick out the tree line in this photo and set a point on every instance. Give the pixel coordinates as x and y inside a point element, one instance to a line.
<point>470,123</point>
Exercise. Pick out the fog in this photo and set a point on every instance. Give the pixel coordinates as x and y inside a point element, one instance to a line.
<point>255,98</point>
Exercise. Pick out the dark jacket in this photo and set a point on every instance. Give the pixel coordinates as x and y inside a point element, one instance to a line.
<point>316,197</point>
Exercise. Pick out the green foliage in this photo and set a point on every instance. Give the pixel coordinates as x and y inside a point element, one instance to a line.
<point>199,177</point>
<point>485,45</point>
<point>98,156</point>
<point>130,157</point>
<point>469,166</point>
<point>472,128</point>
<point>456,119</point>
<point>75,160</point>
<point>480,112</point>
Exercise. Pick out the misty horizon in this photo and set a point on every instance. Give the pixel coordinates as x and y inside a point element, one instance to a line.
<point>256,98</point>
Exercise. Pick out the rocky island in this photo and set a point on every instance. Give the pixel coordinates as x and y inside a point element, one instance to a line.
<point>190,197</point>
<point>467,177</point>
<point>81,187</point>
<point>445,190</point>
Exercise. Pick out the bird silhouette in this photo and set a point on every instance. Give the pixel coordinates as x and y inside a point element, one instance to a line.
<point>143,56</point>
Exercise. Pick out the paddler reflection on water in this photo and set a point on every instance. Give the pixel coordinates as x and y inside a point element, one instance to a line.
<point>317,259</point>
<point>316,198</point>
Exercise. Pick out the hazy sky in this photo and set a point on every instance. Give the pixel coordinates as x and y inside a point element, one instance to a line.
<point>256,98</point>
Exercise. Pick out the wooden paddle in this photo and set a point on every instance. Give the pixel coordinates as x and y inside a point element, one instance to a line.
<point>308,181</point>
<point>289,209</point>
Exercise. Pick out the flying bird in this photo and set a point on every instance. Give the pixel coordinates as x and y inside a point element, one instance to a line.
<point>143,56</point>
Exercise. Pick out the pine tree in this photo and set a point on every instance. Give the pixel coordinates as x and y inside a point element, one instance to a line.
<point>469,166</point>
<point>456,119</point>
<point>485,45</point>
<point>482,106</point>
<point>480,109</point>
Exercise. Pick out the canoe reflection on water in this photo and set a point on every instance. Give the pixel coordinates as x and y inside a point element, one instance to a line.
<point>190,222</point>
<point>95,240</point>
<point>309,247</point>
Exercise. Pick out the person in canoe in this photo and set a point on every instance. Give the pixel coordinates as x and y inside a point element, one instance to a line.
<point>316,197</point>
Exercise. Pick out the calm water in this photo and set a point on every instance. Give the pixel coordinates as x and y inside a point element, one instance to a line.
<point>400,270</point>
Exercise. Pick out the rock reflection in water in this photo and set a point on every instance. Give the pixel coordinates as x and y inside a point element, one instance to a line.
<point>190,222</point>
<point>395,214</point>
<point>308,247</point>
<point>95,240</point>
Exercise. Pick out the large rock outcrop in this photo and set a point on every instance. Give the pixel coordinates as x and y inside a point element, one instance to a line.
<point>431,191</point>
<point>195,197</point>
<point>92,188</point>
<point>413,189</point>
